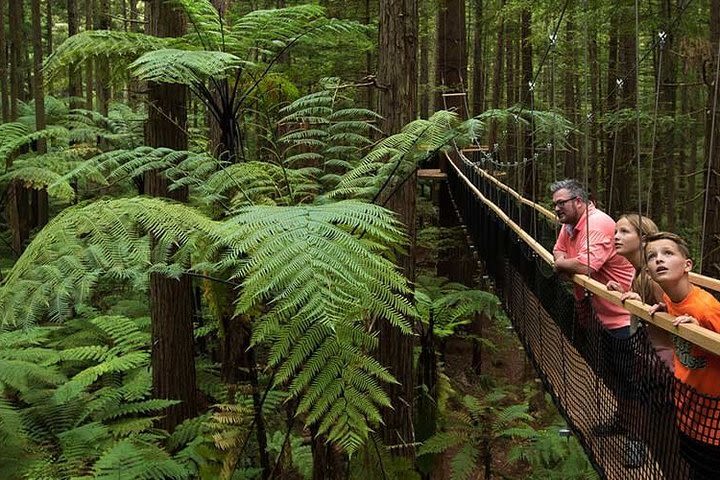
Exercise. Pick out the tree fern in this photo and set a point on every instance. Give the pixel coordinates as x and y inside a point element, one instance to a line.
<point>474,429</point>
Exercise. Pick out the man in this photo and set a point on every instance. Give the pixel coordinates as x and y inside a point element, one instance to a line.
<point>593,253</point>
<point>586,246</point>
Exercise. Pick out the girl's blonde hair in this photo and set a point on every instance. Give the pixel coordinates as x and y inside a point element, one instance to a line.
<point>642,224</point>
<point>643,284</point>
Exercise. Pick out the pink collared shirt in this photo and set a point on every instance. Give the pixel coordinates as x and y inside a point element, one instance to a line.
<point>602,258</point>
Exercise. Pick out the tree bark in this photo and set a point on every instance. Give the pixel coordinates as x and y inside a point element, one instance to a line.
<point>662,181</point>
<point>510,99</point>
<point>451,56</point>
<point>478,89</point>
<point>711,249</point>
<point>74,78</point>
<point>89,76</point>
<point>531,183</point>
<point>173,359</point>
<point>39,197</point>
<point>497,79</point>
<point>424,67</point>
<point>397,74</point>
<point>612,104</point>
<point>17,55</point>
<point>570,169</point>
<point>48,27</point>
<point>4,98</point>
<point>102,67</point>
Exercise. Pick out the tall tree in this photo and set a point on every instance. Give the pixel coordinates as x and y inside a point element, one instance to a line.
<point>89,76</point>
<point>570,169</point>
<point>498,71</point>
<point>451,56</point>
<point>171,307</point>
<point>102,66</point>
<point>527,93</point>
<point>662,181</point>
<point>3,67</point>
<point>478,81</point>
<point>711,248</point>
<point>74,78</point>
<point>397,74</point>
<point>16,20</point>
<point>48,27</point>
<point>39,196</point>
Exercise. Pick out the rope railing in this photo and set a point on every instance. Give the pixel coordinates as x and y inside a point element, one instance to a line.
<point>660,426</point>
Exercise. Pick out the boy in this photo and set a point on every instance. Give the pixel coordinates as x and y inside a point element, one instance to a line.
<point>697,414</point>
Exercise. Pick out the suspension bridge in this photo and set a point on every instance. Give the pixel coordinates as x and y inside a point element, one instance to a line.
<point>565,343</point>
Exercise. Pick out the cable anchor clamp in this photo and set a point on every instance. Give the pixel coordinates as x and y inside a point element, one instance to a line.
<point>662,38</point>
<point>620,83</point>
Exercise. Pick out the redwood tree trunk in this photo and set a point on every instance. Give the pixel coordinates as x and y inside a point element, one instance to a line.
<point>89,7</point>
<point>74,79</point>
<point>711,252</point>
<point>173,359</point>
<point>39,197</point>
<point>497,78</point>
<point>17,55</point>
<point>397,73</point>
<point>478,98</point>
<point>3,67</point>
<point>102,66</point>
<point>451,56</point>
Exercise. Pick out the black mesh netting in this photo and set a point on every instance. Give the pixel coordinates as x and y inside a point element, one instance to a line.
<point>633,418</point>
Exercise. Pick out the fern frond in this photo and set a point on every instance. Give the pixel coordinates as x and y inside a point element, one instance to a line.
<point>205,21</point>
<point>464,462</point>
<point>185,67</point>
<point>41,178</point>
<point>9,147</point>
<point>131,459</point>
<point>120,48</point>
<point>440,442</point>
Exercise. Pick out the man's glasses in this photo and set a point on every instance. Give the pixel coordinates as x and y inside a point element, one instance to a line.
<point>561,203</point>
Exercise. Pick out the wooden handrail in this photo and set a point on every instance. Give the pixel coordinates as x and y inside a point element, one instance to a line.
<point>544,211</point>
<point>695,334</point>
<point>695,278</point>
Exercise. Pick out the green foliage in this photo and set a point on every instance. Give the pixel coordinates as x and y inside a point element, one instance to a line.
<point>374,460</point>
<point>396,157</point>
<point>474,429</point>
<point>183,66</point>
<point>327,131</point>
<point>450,305</point>
<point>119,48</point>
<point>550,455</point>
<point>307,264</point>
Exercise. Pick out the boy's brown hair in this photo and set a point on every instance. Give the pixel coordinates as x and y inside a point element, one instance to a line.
<point>677,239</point>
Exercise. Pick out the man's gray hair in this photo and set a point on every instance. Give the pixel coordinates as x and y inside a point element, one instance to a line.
<point>574,187</point>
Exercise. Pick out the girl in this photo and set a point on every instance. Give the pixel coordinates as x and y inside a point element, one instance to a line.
<point>628,243</point>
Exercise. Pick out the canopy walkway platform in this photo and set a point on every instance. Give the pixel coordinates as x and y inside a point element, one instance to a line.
<point>591,375</point>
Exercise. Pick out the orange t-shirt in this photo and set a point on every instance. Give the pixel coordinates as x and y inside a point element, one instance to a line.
<point>699,417</point>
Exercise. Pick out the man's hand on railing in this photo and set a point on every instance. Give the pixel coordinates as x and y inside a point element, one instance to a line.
<point>614,286</point>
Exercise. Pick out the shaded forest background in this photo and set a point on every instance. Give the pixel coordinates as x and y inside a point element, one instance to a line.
<point>201,274</point>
